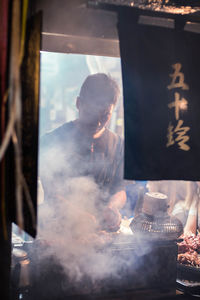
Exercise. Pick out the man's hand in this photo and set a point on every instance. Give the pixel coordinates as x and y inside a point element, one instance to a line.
<point>111,219</point>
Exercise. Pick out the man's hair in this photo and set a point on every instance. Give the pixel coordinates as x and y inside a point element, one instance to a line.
<point>100,86</point>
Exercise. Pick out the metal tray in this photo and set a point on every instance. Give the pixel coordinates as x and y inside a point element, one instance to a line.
<point>188,272</point>
<point>188,287</point>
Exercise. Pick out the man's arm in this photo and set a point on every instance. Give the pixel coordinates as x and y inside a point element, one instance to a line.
<point>118,200</point>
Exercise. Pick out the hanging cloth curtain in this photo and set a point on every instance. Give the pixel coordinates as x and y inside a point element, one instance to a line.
<point>161,73</point>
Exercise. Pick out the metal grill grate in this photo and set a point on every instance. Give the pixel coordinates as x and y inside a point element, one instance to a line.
<point>163,227</point>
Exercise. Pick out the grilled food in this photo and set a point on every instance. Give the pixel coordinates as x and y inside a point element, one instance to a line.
<point>189,250</point>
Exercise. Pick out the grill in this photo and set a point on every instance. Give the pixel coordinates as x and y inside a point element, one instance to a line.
<point>143,261</point>
<point>142,265</point>
<point>159,228</point>
<point>154,222</point>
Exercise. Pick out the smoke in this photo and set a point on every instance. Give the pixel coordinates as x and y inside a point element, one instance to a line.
<point>71,228</point>
<point>71,247</point>
<point>73,254</point>
<point>71,238</point>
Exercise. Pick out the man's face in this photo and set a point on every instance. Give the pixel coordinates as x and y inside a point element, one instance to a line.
<point>94,116</point>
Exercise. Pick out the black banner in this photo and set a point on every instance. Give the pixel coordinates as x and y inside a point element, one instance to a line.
<point>161,86</point>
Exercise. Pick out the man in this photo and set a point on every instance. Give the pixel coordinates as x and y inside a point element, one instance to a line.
<point>86,147</point>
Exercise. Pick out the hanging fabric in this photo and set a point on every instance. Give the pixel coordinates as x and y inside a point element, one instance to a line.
<point>160,71</point>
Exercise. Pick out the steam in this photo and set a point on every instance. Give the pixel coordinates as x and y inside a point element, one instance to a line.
<point>69,232</point>
<point>82,258</point>
<point>71,228</point>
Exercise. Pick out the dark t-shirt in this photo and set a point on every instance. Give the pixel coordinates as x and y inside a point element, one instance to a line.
<point>67,153</point>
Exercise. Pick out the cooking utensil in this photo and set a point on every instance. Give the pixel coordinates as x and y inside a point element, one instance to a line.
<point>154,222</point>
